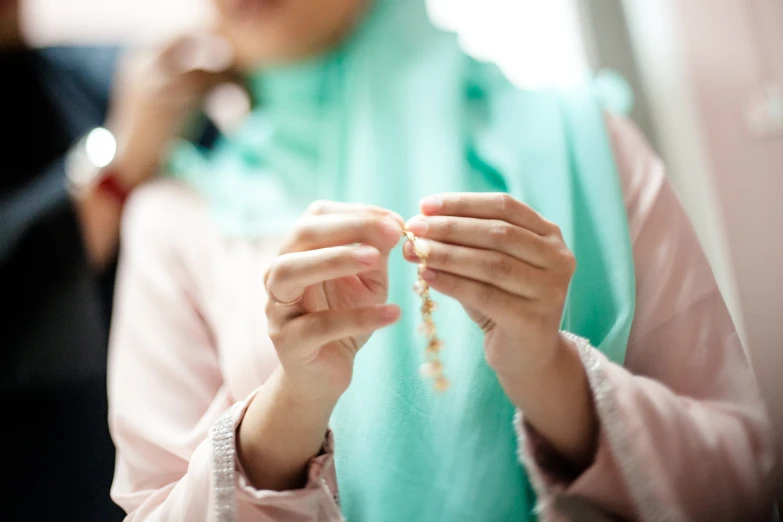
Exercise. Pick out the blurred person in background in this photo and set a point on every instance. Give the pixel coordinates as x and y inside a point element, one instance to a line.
<point>59,229</point>
<point>537,212</point>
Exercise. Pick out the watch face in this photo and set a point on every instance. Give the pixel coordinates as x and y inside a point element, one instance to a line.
<point>93,152</point>
<point>100,147</point>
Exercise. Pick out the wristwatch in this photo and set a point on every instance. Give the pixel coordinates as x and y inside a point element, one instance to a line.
<point>88,166</point>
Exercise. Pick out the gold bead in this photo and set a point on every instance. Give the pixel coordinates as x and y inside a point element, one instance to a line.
<point>441,384</point>
<point>433,368</point>
<point>426,328</point>
<point>428,306</point>
<point>420,287</point>
<point>427,370</point>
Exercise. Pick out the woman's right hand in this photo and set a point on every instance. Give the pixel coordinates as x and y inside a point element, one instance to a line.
<point>327,293</point>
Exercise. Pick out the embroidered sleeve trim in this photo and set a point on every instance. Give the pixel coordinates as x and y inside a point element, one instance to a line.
<point>224,467</point>
<point>614,426</point>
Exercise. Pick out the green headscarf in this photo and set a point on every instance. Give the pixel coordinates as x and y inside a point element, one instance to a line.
<point>395,114</point>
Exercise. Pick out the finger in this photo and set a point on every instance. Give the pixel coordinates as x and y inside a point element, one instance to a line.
<point>304,335</point>
<point>322,207</point>
<point>200,81</point>
<point>495,268</point>
<point>290,274</point>
<point>488,234</point>
<point>321,231</point>
<point>486,205</point>
<point>203,51</point>
<point>485,298</point>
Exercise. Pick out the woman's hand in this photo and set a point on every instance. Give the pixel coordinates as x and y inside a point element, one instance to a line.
<point>511,269</point>
<point>327,291</point>
<point>507,265</point>
<point>155,93</point>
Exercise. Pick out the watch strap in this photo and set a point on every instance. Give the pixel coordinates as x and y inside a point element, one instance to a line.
<point>109,185</point>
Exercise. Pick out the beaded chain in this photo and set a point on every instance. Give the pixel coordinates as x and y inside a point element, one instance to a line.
<point>432,368</point>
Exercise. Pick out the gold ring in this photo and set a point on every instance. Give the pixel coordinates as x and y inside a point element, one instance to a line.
<point>275,299</point>
<point>281,303</point>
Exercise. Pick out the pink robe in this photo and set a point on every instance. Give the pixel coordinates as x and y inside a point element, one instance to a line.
<point>684,434</point>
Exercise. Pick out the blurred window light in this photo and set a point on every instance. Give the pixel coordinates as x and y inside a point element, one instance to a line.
<point>536,43</point>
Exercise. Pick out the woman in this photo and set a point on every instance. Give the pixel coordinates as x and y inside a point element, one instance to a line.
<point>645,409</point>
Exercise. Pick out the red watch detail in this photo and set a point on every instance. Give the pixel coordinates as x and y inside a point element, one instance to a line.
<point>108,184</point>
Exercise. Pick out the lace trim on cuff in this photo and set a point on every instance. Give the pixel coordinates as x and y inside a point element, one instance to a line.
<point>617,434</point>
<point>224,467</point>
<point>614,426</point>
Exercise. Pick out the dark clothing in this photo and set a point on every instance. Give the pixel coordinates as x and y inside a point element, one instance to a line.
<point>58,457</point>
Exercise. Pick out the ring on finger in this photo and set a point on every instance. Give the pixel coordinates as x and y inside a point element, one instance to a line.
<point>281,303</point>
<point>278,301</point>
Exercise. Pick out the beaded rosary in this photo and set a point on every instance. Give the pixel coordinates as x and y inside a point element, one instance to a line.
<point>432,368</point>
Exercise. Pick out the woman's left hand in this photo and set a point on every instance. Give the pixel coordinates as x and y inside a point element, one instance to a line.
<point>508,266</point>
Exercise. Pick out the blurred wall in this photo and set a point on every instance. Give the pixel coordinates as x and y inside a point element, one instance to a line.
<point>607,41</point>
<point>704,64</point>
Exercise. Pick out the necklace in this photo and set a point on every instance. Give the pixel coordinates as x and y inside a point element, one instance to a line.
<point>432,368</point>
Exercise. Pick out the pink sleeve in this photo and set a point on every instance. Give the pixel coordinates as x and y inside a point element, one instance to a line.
<point>684,434</point>
<point>172,417</point>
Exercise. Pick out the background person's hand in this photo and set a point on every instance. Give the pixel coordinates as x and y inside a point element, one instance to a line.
<point>507,265</point>
<point>156,92</point>
<point>333,268</point>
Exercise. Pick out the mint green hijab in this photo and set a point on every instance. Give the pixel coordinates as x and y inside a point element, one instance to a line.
<point>398,113</point>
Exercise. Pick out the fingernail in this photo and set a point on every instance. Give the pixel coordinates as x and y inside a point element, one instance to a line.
<point>418,226</point>
<point>431,204</point>
<point>366,255</point>
<point>390,312</point>
<point>407,250</point>
<point>428,275</point>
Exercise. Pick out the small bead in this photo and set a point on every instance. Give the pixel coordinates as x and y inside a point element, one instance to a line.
<point>441,384</point>
<point>434,345</point>
<point>427,370</point>
<point>420,287</point>
<point>426,328</point>
<point>428,306</point>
